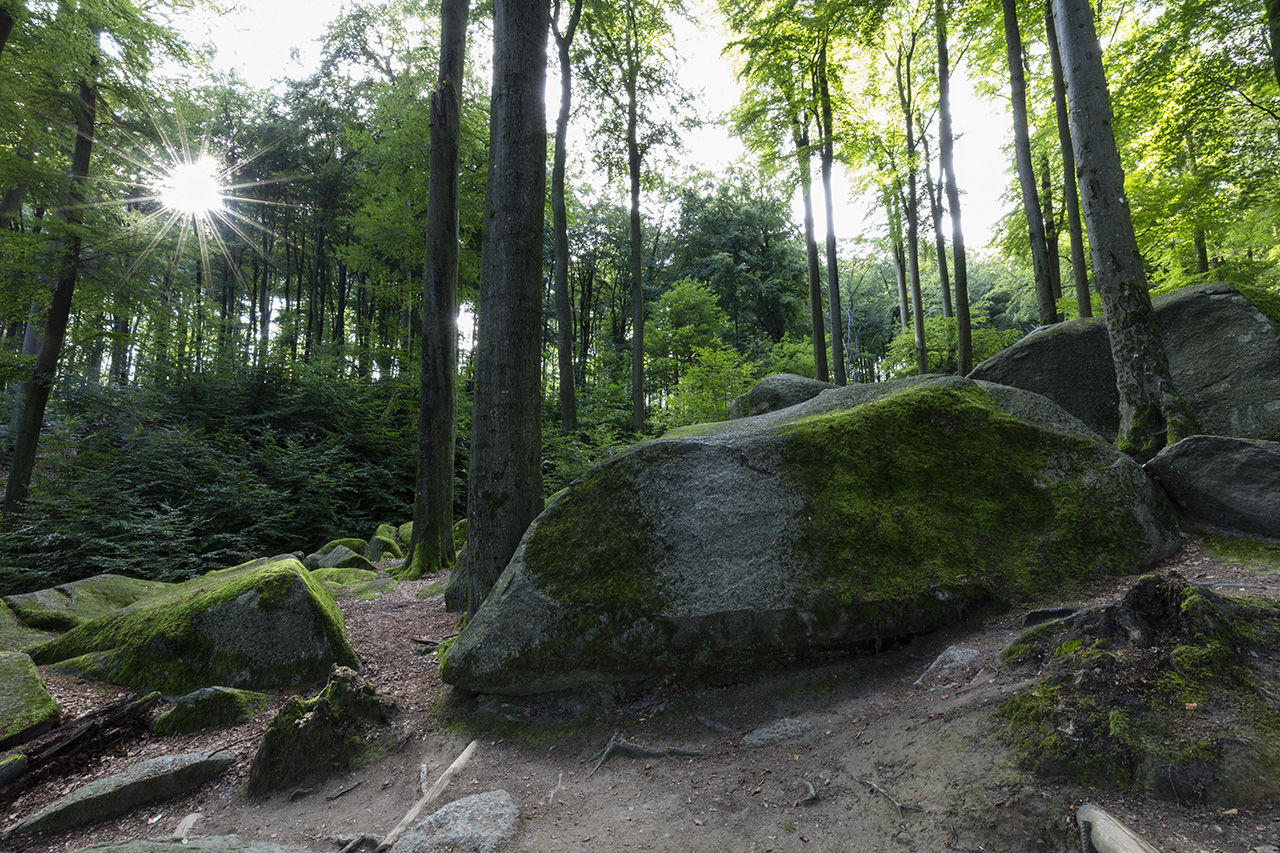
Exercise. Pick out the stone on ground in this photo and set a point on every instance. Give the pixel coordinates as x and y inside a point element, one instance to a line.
<point>262,625</point>
<point>210,708</point>
<point>1223,349</point>
<point>62,608</point>
<point>383,545</point>
<point>480,823</point>
<point>1229,482</point>
<point>16,637</point>
<point>360,583</point>
<point>144,783</point>
<point>215,844</point>
<point>26,708</point>
<point>345,726</point>
<point>788,728</point>
<point>340,557</point>
<point>867,514</point>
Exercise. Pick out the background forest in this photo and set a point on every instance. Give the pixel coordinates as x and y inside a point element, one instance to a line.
<point>240,376</point>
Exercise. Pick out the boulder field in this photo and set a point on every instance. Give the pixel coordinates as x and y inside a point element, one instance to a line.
<point>866,514</point>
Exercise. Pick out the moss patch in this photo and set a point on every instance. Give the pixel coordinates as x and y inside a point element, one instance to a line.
<point>359,583</point>
<point>359,546</point>
<point>266,624</point>
<point>345,726</point>
<point>1260,556</point>
<point>1265,299</point>
<point>26,708</point>
<point>64,607</point>
<point>1168,692</point>
<point>16,637</point>
<point>210,708</point>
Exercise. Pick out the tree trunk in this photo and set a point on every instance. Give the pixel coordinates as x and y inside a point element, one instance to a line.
<point>833,268</point>
<point>934,194</point>
<point>822,371</point>
<point>504,486</point>
<point>1201,244</point>
<point>431,543</point>
<point>6,28</point>
<point>946,156</point>
<point>902,72</point>
<point>637,265</point>
<point>55,330</point>
<point>1026,170</point>
<point>1273,33</point>
<point>1050,232</point>
<point>1151,413</point>
<point>1070,192</point>
<point>560,224</point>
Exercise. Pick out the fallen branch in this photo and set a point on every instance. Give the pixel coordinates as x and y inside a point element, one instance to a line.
<point>1102,833</point>
<point>551,801</point>
<point>359,842</point>
<point>429,643</point>
<point>428,797</point>
<point>713,726</point>
<point>873,786</point>
<point>346,790</point>
<point>618,743</point>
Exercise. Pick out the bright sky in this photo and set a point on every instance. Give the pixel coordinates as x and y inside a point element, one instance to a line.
<point>270,39</point>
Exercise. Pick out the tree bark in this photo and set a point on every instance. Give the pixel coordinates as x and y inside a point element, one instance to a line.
<point>431,543</point>
<point>833,269</point>
<point>1273,34</point>
<point>1026,171</point>
<point>934,194</point>
<point>822,371</point>
<point>55,330</point>
<point>504,487</point>
<point>560,223</point>
<point>637,263</point>
<point>911,205</point>
<point>1151,413</point>
<point>946,155</point>
<point>6,28</point>
<point>1070,191</point>
<point>1050,231</point>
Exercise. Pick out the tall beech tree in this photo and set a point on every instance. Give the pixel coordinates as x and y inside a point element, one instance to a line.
<point>431,545</point>
<point>946,156</point>
<point>504,484</point>
<point>1070,190</point>
<point>1151,412</point>
<point>1026,167</point>
<point>560,217</point>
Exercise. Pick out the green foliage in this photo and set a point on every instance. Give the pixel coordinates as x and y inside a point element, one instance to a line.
<point>706,389</point>
<point>940,343</point>
<point>167,483</point>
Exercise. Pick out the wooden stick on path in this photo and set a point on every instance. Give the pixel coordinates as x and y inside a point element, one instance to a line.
<point>1101,832</point>
<point>427,798</point>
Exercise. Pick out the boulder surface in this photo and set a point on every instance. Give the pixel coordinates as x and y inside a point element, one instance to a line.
<point>26,708</point>
<point>1223,349</point>
<point>867,514</point>
<point>263,625</point>
<point>1231,482</point>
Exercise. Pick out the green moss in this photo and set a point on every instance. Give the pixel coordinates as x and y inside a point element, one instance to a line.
<point>358,583</point>
<point>26,708</point>
<point>1265,299</point>
<point>16,637</point>
<point>210,708</point>
<point>267,624</point>
<point>64,607</point>
<point>1147,432</point>
<point>1255,555</point>
<point>359,546</point>
<point>943,490</point>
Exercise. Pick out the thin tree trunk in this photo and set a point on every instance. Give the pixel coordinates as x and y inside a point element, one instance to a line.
<point>560,222</point>
<point>1050,231</point>
<point>6,28</point>
<point>1273,34</point>
<point>1151,413</point>
<point>833,268</point>
<point>46,366</point>
<point>431,543</point>
<point>637,266</point>
<point>912,204</point>
<point>940,242</point>
<point>946,156</point>
<point>822,371</point>
<point>504,486</point>
<point>1070,191</point>
<point>1026,170</point>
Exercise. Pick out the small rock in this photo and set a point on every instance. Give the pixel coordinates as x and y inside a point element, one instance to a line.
<point>945,665</point>
<point>785,729</point>
<point>1045,614</point>
<point>480,823</point>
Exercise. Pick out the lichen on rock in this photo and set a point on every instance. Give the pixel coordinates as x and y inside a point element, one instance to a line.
<point>26,708</point>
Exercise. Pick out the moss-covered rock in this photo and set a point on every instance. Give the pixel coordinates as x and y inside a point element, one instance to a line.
<point>345,726</point>
<point>354,544</point>
<point>340,557</point>
<point>210,708</point>
<point>1223,344</point>
<point>262,625</point>
<point>405,531</point>
<point>26,708</point>
<point>360,583</point>
<point>863,515</point>
<point>16,637</point>
<point>62,608</point>
<point>1170,692</point>
<point>385,545</point>
<point>12,765</point>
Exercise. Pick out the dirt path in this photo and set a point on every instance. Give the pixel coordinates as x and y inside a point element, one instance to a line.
<point>898,760</point>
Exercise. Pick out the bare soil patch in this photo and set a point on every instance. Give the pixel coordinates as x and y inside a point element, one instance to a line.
<point>896,760</point>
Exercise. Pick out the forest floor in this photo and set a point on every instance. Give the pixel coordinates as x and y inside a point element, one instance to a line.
<point>899,760</point>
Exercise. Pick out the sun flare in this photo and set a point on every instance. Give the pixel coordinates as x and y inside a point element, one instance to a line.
<point>193,187</point>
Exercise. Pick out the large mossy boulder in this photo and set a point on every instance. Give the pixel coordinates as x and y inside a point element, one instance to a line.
<point>1229,482</point>
<point>62,608</point>
<point>867,514</point>
<point>1224,354</point>
<point>26,708</point>
<point>266,624</point>
<point>17,637</point>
